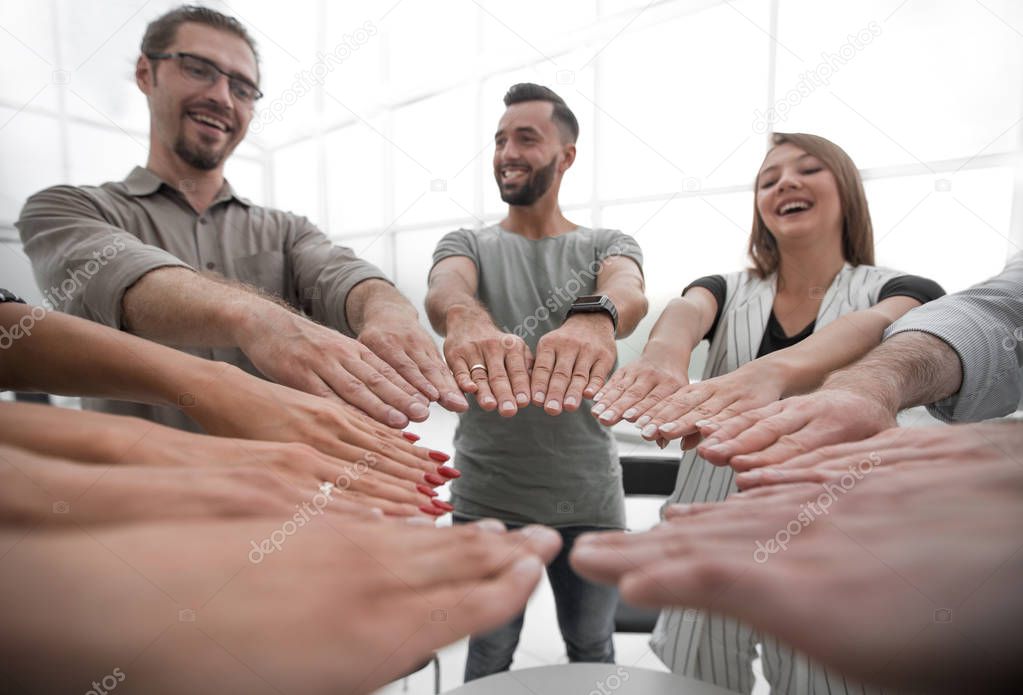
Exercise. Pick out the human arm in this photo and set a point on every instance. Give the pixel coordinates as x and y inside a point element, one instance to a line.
<point>55,491</point>
<point>471,338</point>
<point>57,353</point>
<point>853,403</point>
<point>923,564</point>
<point>573,361</point>
<point>99,438</point>
<point>186,607</point>
<point>664,365</point>
<point>760,382</point>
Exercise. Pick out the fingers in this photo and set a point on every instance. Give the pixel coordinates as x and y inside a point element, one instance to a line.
<point>701,580</point>
<point>517,361</point>
<point>484,394</point>
<point>581,377</point>
<point>460,370</point>
<point>598,375</point>
<point>543,367</point>
<point>751,432</point>
<point>368,389</point>
<point>561,375</point>
<point>432,367</point>
<point>497,379</point>
<point>641,400</point>
<point>658,422</point>
<point>618,382</point>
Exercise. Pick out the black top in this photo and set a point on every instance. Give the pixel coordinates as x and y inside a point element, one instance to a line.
<point>7,296</point>
<point>914,286</point>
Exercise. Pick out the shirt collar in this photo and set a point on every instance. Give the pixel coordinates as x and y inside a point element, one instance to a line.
<point>142,182</point>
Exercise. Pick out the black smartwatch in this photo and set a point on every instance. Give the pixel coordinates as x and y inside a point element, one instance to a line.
<point>597,303</point>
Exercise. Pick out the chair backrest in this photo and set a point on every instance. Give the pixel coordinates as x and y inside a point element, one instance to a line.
<point>644,475</point>
<point>649,475</point>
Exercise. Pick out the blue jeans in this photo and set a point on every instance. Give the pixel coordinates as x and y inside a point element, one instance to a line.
<point>586,613</point>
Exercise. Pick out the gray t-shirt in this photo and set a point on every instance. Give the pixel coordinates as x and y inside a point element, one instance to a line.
<point>535,468</point>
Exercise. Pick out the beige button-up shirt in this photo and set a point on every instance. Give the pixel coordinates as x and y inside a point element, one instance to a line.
<point>89,244</point>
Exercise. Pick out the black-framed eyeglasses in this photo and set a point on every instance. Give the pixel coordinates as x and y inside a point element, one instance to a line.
<point>204,70</point>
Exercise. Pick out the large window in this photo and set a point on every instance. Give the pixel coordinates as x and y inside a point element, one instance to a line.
<point>378,117</point>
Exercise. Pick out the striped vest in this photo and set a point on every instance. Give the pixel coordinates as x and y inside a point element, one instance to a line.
<point>736,341</point>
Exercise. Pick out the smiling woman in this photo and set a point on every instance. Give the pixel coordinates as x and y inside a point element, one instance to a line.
<point>812,302</point>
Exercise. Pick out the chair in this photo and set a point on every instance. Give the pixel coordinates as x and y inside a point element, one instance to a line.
<point>644,476</point>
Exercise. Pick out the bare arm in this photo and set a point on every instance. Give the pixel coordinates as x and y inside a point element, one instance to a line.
<point>622,281</point>
<point>907,370</point>
<point>573,361</point>
<point>700,410</point>
<point>663,367</point>
<point>805,365</point>
<point>63,354</point>
<point>471,338</point>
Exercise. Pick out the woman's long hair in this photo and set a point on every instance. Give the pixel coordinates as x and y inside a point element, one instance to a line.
<point>857,231</point>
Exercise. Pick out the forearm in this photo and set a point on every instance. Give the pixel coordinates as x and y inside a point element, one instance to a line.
<point>907,370</point>
<point>67,355</point>
<point>374,299</point>
<point>804,366</point>
<point>626,292</point>
<point>449,307</point>
<point>175,306</point>
<point>676,332</point>
<point>90,437</point>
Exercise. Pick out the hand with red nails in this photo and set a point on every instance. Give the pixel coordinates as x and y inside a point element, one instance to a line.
<point>99,438</point>
<point>277,413</point>
<point>572,362</point>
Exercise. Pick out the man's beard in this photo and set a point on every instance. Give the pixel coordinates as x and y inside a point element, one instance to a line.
<point>533,189</point>
<point>200,158</point>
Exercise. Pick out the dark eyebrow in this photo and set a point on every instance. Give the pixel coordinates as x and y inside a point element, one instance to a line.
<point>775,166</point>
<point>234,74</point>
<point>530,130</point>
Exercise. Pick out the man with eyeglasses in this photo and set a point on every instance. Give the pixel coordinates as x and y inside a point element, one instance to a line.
<point>126,254</point>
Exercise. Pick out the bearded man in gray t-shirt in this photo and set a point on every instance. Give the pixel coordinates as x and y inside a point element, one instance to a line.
<point>530,309</point>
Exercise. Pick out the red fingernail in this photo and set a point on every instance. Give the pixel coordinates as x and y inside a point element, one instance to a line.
<point>439,456</point>
<point>428,491</point>
<point>432,511</point>
<point>411,437</point>
<point>448,472</point>
<point>441,504</point>
<point>434,479</point>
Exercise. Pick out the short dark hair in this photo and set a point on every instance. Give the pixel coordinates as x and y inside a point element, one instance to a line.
<point>161,31</point>
<point>562,115</point>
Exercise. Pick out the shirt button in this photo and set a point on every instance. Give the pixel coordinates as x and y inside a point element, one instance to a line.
<point>211,265</point>
<point>202,220</point>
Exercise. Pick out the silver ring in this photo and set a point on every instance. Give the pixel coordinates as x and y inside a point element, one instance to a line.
<point>477,366</point>
<point>326,488</point>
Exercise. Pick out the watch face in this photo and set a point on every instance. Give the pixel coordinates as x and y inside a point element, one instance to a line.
<point>592,299</point>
